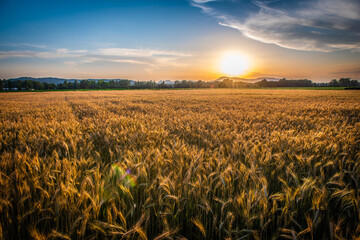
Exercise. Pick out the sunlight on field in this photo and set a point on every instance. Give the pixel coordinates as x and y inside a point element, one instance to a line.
<point>194,164</point>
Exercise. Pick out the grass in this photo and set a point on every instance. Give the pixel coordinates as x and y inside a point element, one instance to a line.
<point>201,164</point>
<point>308,88</point>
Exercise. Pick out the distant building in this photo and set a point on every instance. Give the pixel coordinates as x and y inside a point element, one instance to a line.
<point>11,89</point>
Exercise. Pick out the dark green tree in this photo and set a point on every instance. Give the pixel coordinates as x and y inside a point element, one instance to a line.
<point>345,82</point>
<point>334,83</point>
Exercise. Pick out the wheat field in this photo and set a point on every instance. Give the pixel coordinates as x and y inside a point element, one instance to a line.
<point>180,164</point>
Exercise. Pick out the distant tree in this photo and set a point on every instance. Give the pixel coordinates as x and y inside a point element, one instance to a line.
<point>84,84</point>
<point>52,86</point>
<point>181,84</point>
<point>303,83</point>
<point>263,83</point>
<point>100,84</point>
<point>345,82</point>
<point>2,84</point>
<point>334,83</point>
<point>282,83</point>
<point>186,84</point>
<point>70,85</point>
<point>17,84</point>
<point>226,83</point>
<point>27,84</point>
<point>124,84</point>
<point>200,84</point>
<point>162,85</point>
<point>8,84</point>
<point>46,86</point>
<point>243,85</point>
<point>92,84</point>
<point>38,85</point>
<point>354,83</point>
<point>139,85</point>
<point>112,84</point>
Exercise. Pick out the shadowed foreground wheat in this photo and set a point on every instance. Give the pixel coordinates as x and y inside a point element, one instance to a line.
<point>195,164</point>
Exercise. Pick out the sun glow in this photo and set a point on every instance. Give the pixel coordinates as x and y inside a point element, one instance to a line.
<point>233,64</point>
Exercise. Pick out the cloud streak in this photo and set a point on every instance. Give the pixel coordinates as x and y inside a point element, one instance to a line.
<point>21,45</point>
<point>321,25</point>
<point>203,1</point>
<point>59,53</point>
<point>150,57</point>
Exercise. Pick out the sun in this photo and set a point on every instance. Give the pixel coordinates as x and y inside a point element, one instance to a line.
<point>233,64</point>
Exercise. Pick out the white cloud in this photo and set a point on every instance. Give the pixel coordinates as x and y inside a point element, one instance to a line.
<point>138,52</point>
<point>103,59</point>
<point>20,54</point>
<point>153,58</point>
<point>61,51</point>
<point>71,63</point>
<point>16,45</point>
<point>322,25</point>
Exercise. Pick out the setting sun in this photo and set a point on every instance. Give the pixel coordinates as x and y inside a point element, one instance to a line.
<point>233,64</point>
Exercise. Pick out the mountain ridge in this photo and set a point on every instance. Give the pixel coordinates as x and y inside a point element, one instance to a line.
<point>247,80</point>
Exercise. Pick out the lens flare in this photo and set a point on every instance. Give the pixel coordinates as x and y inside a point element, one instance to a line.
<point>121,176</point>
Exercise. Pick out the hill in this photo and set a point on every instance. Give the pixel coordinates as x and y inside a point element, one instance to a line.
<point>247,80</point>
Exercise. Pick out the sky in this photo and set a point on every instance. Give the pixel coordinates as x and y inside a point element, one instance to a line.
<point>179,39</point>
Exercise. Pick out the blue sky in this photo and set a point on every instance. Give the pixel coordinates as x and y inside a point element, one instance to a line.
<point>179,39</point>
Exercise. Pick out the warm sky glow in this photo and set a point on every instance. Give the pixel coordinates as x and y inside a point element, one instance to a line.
<point>180,39</point>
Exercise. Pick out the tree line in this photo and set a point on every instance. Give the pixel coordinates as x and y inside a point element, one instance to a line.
<point>83,84</point>
<point>127,84</point>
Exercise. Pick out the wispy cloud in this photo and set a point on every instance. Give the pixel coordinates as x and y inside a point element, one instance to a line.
<point>21,45</point>
<point>139,52</point>
<point>151,57</point>
<point>348,71</point>
<point>321,25</point>
<point>203,1</point>
<point>19,54</point>
<point>71,63</point>
<point>59,53</point>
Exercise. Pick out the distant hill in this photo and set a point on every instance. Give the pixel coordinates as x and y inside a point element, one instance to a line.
<point>250,80</point>
<point>61,80</point>
<point>167,82</point>
<point>43,80</point>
